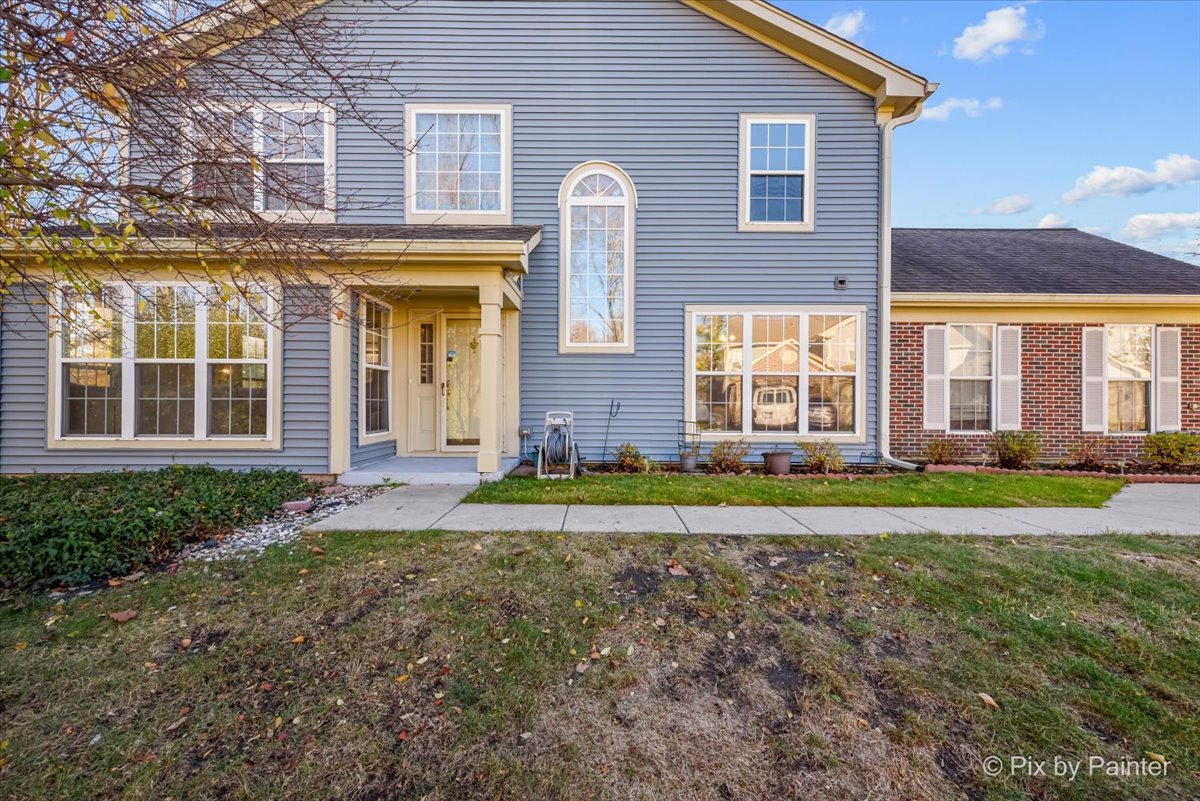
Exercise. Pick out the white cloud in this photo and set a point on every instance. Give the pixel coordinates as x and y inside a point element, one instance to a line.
<point>969,106</point>
<point>1174,170</point>
<point>1052,220</point>
<point>847,25</point>
<point>1142,227</point>
<point>1010,204</point>
<point>995,36</point>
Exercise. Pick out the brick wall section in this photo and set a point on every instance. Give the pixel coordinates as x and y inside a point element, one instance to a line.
<point>1050,391</point>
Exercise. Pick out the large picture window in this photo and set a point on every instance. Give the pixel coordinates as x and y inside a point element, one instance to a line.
<point>164,361</point>
<point>785,372</point>
<point>376,370</point>
<point>273,158</point>
<point>458,163</point>
<point>597,226</point>
<point>776,172</point>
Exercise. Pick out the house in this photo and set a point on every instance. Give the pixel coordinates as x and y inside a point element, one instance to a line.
<point>659,204</point>
<point>1057,331</point>
<point>616,230</point>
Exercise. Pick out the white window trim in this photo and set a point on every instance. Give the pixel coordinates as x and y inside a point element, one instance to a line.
<point>994,382</point>
<point>317,216</point>
<point>55,439</point>
<point>503,215</point>
<point>858,436</point>
<point>1151,383</point>
<point>564,256</point>
<point>810,173</point>
<point>372,438</point>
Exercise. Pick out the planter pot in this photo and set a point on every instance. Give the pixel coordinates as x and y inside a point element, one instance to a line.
<point>687,461</point>
<point>777,463</point>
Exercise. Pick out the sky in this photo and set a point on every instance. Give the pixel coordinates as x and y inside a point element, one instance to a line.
<point>1049,114</point>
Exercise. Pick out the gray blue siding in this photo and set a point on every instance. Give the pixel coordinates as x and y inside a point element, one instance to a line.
<point>361,455</point>
<point>25,354</point>
<point>656,88</point>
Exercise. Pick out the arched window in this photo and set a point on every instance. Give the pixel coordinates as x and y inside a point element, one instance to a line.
<point>597,203</point>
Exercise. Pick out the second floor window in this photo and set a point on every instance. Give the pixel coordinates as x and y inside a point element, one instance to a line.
<point>458,163</point>
<point>597,233</point>
<point>275,159</point>
<point>776,172</point>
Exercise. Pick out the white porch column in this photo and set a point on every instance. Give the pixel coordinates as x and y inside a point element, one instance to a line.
<point>490,379</point>
<point>339,381</point>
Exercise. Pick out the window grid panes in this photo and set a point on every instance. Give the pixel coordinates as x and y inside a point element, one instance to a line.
<point>775,373</point>
<point>971,377</point>
<point>164,335</point>
<point>459,161</point>
<point>598,250</point>
<point>376,361</point>
<point>789,354</point>
<point>832,368</point>
<point>180,339</point>
<point>1130,360</point>
<point>777,171</point>
<point>425,354</point>
<point>270,159</point>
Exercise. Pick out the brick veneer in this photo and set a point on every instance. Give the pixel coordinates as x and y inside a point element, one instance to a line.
<point>1050,391</point>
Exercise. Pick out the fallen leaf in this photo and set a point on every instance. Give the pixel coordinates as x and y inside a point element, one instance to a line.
<point>177,724</point>
<point>302,571</point>
<point>115,582</point>
<point>186,642</point>
<point>297,640</point>
<point>676,569</point>
<point>658,621</point>
<point>137,575</point>
<point>21,646</point>
<point>1157,757</point>
<point>987,699</point>
<point>403,677</point>
<point>582,667</point>
<point>123,616</point>
<point>313,549</point>
<point>729,634</point>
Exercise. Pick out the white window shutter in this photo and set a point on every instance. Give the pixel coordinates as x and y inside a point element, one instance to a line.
<point>1093,394</point>
<point>936,393</point>
<point>1167,406</point>
<point>1008,378</point>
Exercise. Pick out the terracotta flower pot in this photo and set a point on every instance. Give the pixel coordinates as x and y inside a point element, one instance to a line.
<point>777,463</point>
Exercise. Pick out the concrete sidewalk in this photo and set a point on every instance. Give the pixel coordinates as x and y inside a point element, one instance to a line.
<point>1137,509</point>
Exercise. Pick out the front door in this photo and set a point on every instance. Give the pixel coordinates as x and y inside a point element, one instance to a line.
<point>460,422</point>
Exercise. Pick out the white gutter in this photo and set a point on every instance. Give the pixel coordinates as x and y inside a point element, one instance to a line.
<point>885,282</point>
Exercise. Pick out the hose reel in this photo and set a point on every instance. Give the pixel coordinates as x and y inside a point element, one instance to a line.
<point>559,456</point>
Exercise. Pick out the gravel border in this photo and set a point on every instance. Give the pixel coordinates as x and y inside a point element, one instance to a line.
<point>281,527</point>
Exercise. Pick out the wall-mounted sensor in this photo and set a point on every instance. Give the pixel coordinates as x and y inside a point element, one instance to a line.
<point>840,282</point>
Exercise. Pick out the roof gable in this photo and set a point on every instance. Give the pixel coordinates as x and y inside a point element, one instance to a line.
<point>896,91</point>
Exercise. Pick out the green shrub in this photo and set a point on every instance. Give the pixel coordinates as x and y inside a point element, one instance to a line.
<point>1088,453</point>
<point>727,456</point>
<point>822,456</point>
<point>1015,450</point>
<point>1172,451</point>
<point>941,450</point>
<point>79,528</point>
<point>630,459</point>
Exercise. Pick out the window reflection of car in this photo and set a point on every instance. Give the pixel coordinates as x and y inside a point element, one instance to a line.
<point>820,418</point>
<point>775,407</point>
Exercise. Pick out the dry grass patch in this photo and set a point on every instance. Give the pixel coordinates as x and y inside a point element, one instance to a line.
<point>457,666</point>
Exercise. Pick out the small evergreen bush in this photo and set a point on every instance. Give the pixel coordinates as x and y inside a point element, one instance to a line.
<point>942,450</point>
<point>1172,451</point>
<point>631,460</point>
<point>79,528</point>
<point>1015,450</point>
<point>822,456</point>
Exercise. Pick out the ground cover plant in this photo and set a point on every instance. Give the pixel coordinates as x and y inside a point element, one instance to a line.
<point>456,666</point>
<point>79,528</point>
<point>918,489</point>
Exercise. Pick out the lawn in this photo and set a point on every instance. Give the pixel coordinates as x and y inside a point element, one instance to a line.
<point>919,489</point>
<point>450,666</point>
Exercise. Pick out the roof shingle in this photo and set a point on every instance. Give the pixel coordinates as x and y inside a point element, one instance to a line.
<point>1024,261</point>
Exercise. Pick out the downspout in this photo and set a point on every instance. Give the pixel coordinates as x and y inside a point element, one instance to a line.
<point>885,282</point>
